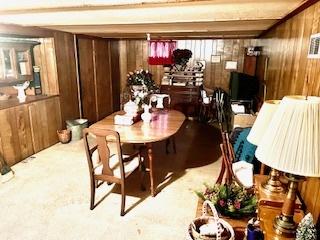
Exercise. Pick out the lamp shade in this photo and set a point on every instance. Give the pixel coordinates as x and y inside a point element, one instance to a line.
<point>292,141</point>
<point>263,120</point>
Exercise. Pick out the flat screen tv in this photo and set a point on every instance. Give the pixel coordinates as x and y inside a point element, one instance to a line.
<point>243,86</point>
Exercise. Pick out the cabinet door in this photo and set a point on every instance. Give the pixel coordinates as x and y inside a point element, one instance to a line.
<point>45,120</point>
<point>16,62</point>
<point>23,64</point>
<point>15,134</point>
<point>249,65</point>
<point>8,65</point>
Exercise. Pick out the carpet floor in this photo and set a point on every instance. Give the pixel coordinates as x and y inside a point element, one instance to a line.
<point>48,198</point>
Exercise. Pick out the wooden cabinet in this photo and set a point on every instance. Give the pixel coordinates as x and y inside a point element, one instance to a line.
<point>45,120</point>
<point>28,128</point>
<point>183,98</point>
<point>16,62</point>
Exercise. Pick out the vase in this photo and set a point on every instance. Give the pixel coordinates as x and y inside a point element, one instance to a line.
<point>131,108</point>
<point>146,115</point>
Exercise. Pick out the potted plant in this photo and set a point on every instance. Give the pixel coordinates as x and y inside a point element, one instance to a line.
<point>181,58</point>
<point>141,84</point>
<point>230,199</point>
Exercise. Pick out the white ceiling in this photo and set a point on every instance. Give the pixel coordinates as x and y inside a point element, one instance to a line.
<point>161,18</point>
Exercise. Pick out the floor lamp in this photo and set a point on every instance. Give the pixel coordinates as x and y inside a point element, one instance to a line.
<point>273,183</point>
<point>291,144</point>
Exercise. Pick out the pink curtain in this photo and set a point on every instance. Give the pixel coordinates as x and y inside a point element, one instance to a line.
<point>160,52</point>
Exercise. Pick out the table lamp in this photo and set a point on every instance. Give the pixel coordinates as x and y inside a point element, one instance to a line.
<point>291,144</point>
<point>273,183</point>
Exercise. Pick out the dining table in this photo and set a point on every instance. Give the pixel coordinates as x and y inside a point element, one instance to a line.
<point>164,124</point>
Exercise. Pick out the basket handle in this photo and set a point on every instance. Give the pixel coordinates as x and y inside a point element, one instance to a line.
<point>205,206</point>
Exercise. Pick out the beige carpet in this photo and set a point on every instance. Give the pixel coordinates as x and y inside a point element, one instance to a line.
<point>49,196</point>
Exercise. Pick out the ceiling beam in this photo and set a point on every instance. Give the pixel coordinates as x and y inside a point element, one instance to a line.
<point>17,30</point>
<point>204,35</point>
<point>219,10</point>
<point>42,7</point>
<point>222,26</point>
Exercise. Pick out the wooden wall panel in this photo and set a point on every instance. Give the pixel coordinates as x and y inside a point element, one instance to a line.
<point>104,98</point>
<point>134,55</point>
<point>115,74</point>
<point>291,72</point>
<point>95,66</point>
<point>87,79</point>
<point>67,75</point>
<point>45,58</point>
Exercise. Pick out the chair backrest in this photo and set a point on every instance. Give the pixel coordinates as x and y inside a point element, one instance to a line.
<point>102,139</point>
<point>159,98</point>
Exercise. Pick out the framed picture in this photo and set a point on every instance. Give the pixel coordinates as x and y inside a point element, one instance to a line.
<point>215,58</point>
<point>231,65</point>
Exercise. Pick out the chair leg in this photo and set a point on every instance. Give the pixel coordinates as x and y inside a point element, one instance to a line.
<point>167,145</point>
<point>142,176</point>
<point>93,191</point>
<point>173,141</point>
<point>123,199</point>
<point>174,144</point>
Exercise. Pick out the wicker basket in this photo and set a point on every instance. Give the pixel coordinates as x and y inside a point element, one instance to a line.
<point>64,135</point>
<point>224,229</point>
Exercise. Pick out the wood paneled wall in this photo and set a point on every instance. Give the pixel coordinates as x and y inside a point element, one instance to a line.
<point>134,55</point>
<point>115,74</point>
<point>67,75</point>
<point>94,56</point>
<point>291,72</point>
<point>45,58</point>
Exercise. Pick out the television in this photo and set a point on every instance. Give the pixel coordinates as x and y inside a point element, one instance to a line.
<point>243,86</point>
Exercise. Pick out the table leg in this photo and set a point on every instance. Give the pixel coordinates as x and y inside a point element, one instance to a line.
<point>150,156</point>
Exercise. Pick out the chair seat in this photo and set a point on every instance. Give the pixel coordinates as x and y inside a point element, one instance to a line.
<point>129,167</point>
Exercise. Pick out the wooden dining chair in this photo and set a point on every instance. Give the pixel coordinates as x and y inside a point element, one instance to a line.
<point>105,166</point>
<point>164,101</point>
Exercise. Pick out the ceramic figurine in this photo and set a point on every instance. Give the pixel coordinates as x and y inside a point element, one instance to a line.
<point>131,108</point>
<point>159,99</point>
<point>21,94</point>
<point>146,115</point>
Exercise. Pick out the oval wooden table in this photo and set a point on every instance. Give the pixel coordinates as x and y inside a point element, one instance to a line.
<point>164,124</point>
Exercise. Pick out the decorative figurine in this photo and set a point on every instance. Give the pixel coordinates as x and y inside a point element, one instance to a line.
<point>21,94</point>
<point>146,115</point>
<point>306,229</point>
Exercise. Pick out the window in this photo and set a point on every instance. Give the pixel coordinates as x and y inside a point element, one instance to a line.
<point>160,52</point>
<point>314,48</point>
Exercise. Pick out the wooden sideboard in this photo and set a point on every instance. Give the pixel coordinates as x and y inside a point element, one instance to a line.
<point>183,98</point>
<point>27,128</point>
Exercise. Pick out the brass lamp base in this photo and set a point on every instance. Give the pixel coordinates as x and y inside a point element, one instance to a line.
<point>284,224</point>
<point>273,184</point>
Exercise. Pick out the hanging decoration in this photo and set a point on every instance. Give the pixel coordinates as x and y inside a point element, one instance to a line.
<point>161,52</point>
